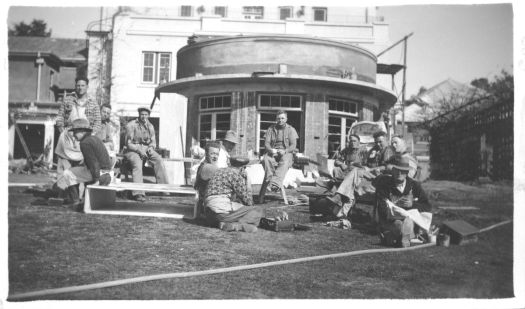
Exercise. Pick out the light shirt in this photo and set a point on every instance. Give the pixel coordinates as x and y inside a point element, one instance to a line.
<point>224,158</point>
<point>401,187</point>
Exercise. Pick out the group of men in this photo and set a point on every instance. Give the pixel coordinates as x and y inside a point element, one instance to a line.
<point>86,148</point>
<point>87,153</point>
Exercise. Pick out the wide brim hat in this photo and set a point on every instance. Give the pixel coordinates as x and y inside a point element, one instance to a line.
<point>81,124</point>
<point>141,109</point>
<point>401,163</point>
<point>239,161</point>
<point>231,136</point>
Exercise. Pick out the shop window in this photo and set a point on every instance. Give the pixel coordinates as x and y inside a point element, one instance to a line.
<point>320,14</point>
<point>215,117</point>
<point>156,67</point>
<point>342,113</point>
<point>186,10</point>
<point>285,12</point>
<point>253,12</point>
<point>221,11</point>
<point>269,104</point>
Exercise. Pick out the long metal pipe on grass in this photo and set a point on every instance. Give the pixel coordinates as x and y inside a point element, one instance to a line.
<point>106,284</point>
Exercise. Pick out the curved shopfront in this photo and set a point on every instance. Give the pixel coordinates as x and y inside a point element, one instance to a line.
<point>239,83</point>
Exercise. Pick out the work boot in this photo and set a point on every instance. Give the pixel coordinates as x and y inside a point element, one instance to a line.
<point>72,194</point>
<point>249,228</point>
<point>336,199</point>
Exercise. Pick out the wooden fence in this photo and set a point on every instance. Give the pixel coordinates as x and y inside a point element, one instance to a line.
<point>473,141</point>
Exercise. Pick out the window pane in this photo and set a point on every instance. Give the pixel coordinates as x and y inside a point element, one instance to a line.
<point>285,13</point>
<point>296,102</point>
<point>148,75</point>
<point>274,101</point>
<point>320,14</point>
<point>148,59</point>
<point>185,10</point>
<point>285,101</point>
<point>226,101</point>
<point>220,10</point>
<point>265,100</point>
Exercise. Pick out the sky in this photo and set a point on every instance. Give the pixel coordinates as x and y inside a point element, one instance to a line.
<point>462,42</point>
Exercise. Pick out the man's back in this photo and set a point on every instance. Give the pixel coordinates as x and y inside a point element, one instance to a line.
<point>229,181</point>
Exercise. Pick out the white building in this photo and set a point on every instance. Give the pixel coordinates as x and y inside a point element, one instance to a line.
<point>137,49</point>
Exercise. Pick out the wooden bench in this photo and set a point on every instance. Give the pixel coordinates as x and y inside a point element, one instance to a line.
<point>103,200</point>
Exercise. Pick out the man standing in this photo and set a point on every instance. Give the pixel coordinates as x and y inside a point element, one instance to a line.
<point>228,200</point>
<point>75,106</point>
<point>280,143</point>
<point>141,144</point>
<point>395,227</point>
<point>96,166</point>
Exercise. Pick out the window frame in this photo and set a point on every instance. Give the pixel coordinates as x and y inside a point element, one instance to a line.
<point>343,116</point>
<point>214,111</point>
<point>157,55</point>
<point>324,9</point>
<point>290,10</point>
<point>225,8</point>
<point>182,7</point>
<point>252,12</point>
<point>265,109</point>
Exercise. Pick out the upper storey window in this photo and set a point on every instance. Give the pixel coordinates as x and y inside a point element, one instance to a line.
<point>253,12</point>
<point>320,14</point>
<point>186,10</point>
<point>285,12</point>
<point>156,67</point>
<point>220,10</point>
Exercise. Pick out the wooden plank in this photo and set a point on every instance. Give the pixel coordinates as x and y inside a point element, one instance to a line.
<point>146,187</point>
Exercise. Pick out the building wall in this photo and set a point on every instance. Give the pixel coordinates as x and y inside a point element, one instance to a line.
<point>244,111</point>
<point>164,30</point>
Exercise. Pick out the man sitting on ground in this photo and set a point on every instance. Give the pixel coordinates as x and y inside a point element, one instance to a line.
<point>380,153</point>
<point>141,144</point>
<point>96,166</point>
<point>395,227</point>
<point>205,172</point>
<point>228,201</point>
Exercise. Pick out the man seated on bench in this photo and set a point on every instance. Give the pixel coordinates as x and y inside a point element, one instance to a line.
<point>359,179</point>
<point>354,155</point>
<point>400,147</point>
<point>96,166</point>
<point>141,144</point>
<point>205,172</point>
<point>280,142</point>
<point>228,201</point>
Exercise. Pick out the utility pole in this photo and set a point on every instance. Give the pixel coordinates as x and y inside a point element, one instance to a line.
<point>405,43</point>
<point>404,86</point>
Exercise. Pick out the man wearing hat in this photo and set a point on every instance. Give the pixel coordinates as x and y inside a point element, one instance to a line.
<point>396,228</point>
<point>228,144</point>
<point>141,143</point>
<point>228,200</point>
<point>96,166</point>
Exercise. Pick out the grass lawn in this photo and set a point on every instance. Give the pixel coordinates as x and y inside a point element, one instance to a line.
<point>53,247</point>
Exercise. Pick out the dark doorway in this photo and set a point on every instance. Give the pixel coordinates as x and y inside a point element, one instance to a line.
<point>34,136</point>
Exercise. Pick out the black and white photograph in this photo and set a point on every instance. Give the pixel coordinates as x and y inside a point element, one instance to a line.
<point>263,154</point>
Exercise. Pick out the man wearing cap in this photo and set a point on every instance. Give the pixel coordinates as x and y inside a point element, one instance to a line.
<point>141,144</point>
<point>228,144</point>
<point>206,171</point>
<point>395,227</point>
<point>280,142</point>
<point>228,200</point>
<point>96,166</point>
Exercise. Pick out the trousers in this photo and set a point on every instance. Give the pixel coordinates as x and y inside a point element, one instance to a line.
<point>136,165</point>
<point>275,168</point>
